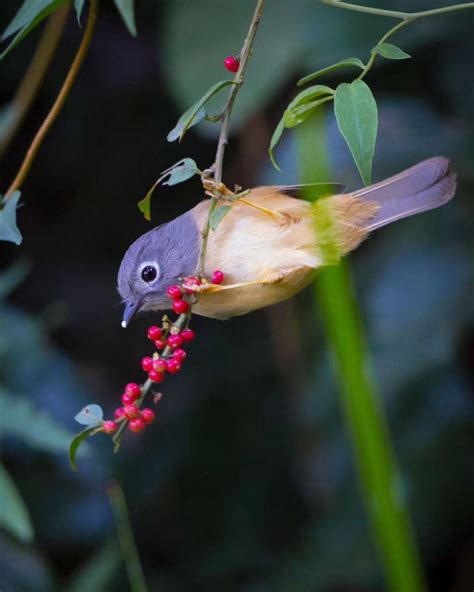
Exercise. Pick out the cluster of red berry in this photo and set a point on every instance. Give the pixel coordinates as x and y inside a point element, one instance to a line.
<point>169,356</point>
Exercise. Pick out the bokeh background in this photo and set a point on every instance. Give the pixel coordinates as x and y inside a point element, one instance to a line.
<point>247,480</point>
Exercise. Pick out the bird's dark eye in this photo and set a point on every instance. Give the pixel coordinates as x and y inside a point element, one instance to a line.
<point>149,273</point>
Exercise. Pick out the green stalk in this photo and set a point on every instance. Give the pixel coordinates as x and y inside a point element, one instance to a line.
<point>376,465</point>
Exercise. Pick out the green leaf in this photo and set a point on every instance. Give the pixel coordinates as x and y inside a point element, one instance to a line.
<point>79,5</point>
<point>75,444</point>
<point>30,14</point>
<point>98,572</point>
<point>14,515</point>
<point>357,119</point>
<point>179,172</point>
<point>390,52</point>
<point>127,12</point>
<point>280,128</point>
<point>196,112</point>
<point>217,216</point>
<point>8,228</point>
<point>354,62</point>
<point>13,276</point>
<point>310,94</point>
<point>90,415</point>
<point>22,420</point>
<point>297,115</point>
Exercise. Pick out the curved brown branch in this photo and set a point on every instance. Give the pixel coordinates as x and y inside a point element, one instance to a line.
<point>31,82</point>
<point>59,102</point>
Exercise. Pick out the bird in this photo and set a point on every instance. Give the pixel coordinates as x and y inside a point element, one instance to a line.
<point>271,244</point>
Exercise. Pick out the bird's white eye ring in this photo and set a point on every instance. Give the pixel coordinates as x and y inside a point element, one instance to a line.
<point>149,272</point>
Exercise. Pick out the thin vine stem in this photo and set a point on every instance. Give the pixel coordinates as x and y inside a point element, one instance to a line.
<point>34,75</point>
<point>396,13</point>
<point>59,102</point>
<point>224,131</point>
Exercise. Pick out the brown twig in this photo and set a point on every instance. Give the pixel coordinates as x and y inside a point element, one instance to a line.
<point>224,132</point>
<point>31,82</point>
<point>59,102</point>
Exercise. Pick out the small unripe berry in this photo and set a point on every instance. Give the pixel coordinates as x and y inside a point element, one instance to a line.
<point>109,426</point>
<point>174,292</point>
<point>148,416</point>
<point>119,413</point>
<point>188,335</point>
<point>174,341</point>
<point>147,363</point>
<point>137,425</point>
<point>155,376</point>
<point>231,64</point>
<point>180,306</point>
<point>179,354</point>
<point>131,411</point>
<point>133,389</point>
<point>217,277</point>
<point>160,344</point>
<point>159,365</point>
<point>128,399</point>
<point>154,333</point>
<point>173,366</point>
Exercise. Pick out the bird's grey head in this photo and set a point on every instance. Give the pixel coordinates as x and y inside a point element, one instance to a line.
<point>156,260</point>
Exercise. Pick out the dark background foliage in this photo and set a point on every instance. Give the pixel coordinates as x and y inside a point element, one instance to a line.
<point>247,480</point>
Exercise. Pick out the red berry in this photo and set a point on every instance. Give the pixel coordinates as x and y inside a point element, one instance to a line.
<point>148,416</point>
<point>133,389</point>
<point>119,413</point>
<point>128,399</point>
<point>159,365</point>
<point>155,376</point>
<point>188,335</point>
<point>180,306</point>
<point>173,366</point>
<point>147,363</point>
<point>231,64</point>
<point>131,411</point>
<point>189,283</point>
<point>109,426</point>
<point>137,425</point>
<point>160,344</point>
<point>174,341</point>
<point>217,277</point>
<point>174,292</point>
<point>154,333</point>
<point>179,354</point>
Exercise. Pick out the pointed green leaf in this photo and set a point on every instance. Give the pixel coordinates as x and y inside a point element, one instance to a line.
<point>76,442</point>
<point>298,114</point>
<point>196,112</point>
<point>127,12</point>
<point>390,52</point>
<point>79,5</point>
<point>357,119</point>
<point>349,62</point>
<point>217,216</point>
<point>30,14</point>
<point>280,128</point>
<point>310,94</point>
<point>14,515</point>
<point>181,171</point>
<point>8,228</point>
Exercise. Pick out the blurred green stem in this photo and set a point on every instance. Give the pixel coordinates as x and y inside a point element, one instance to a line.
<point>376,464</point>
<point>130,554</point>
<point>396,13</point>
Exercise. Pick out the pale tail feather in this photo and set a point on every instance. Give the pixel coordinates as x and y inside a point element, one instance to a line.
<point>425,186</point>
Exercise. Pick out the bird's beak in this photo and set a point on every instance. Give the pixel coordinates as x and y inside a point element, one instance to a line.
<point>129,312</point>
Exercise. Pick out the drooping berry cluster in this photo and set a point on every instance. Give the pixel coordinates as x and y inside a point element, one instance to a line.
<point>169,340</point>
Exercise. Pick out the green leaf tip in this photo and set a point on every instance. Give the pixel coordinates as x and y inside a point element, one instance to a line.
<point>390,52</point>
<point>8,227</point>
<point>217,216</point>
<point>349,62</point>
<point>126,9</point>
<point>76,443</point>
<point>357,119</point>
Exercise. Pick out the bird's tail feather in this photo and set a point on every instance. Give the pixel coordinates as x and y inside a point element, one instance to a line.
<point>425,186</point>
